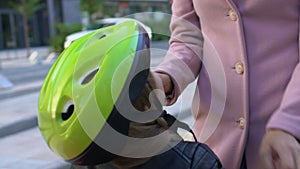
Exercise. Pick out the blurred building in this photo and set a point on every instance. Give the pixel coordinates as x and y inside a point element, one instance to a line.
<point>126,7</point>
<point>41,24</point>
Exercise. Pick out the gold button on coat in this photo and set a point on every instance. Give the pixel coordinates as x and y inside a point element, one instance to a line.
<point>233,15</point>
<point>242,123</point>
<point>239,68</point>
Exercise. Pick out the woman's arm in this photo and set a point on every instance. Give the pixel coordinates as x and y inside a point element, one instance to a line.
<point>183,60</point>
<point>280,147</point>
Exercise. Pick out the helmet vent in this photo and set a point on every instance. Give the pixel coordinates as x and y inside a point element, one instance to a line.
<point>69,110</point>
<point>102,36</point>
<point>89,76</point>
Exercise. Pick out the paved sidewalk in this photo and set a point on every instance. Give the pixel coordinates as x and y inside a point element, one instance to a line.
<point>15,54</point>
<point>27,150</point>
<point>18,113</point>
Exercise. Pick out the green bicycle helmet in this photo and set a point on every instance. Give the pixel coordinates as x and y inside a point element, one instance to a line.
<point>78,103</point>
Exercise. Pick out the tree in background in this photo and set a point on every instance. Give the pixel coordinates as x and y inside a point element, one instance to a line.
<point>91,7</point>
<point>26,8</point>
<point>62,30</point>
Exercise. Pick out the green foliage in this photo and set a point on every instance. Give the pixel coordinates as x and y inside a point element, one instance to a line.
<point>63,30</point>
<point>26,7</point>
<point>160,29</point>
<point>57,43</point>
<point>160,37</point>
<point>91,6</point>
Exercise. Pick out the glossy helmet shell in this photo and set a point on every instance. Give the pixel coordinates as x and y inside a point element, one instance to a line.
<point>78,99</point>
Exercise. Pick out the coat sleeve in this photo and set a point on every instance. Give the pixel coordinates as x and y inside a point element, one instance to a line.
<point>183,59</point>
<point>287,116</point>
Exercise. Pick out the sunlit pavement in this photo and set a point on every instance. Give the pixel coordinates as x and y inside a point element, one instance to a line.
<point>21,144</point>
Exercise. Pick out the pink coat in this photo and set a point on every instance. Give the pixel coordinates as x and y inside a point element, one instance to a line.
<point>245,55</point>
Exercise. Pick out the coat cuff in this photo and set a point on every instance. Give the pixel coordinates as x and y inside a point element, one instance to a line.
<point>286,123</point>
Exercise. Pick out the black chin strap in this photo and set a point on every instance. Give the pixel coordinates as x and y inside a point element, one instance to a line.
<point>170,120</point>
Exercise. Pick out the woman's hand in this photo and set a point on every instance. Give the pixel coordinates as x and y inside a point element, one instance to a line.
<point>163,83</point>
<point>280,150</point>
<point>153,95</point>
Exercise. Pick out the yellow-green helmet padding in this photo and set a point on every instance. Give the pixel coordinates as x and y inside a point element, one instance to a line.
<point>79,95</point>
